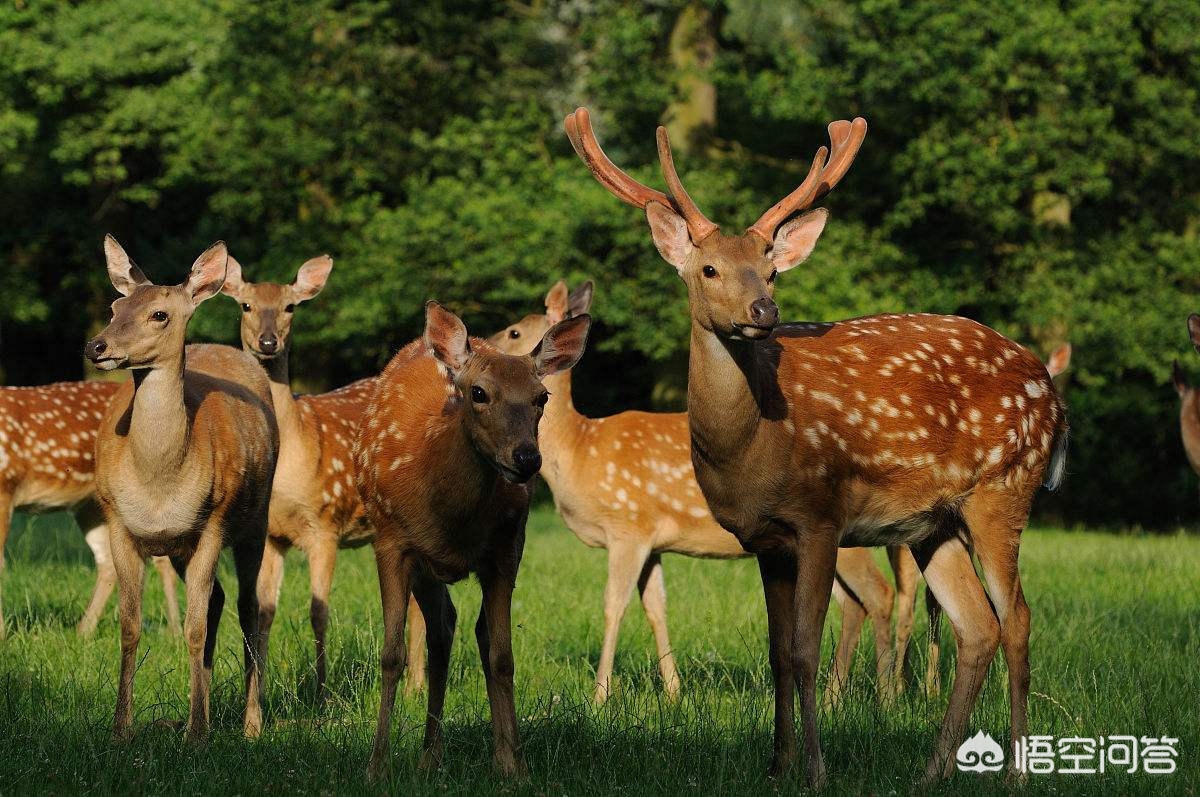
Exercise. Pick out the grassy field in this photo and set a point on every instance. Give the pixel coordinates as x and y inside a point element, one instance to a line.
<point>1115,650</point>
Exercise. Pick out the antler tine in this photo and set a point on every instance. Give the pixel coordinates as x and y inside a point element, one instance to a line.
<point>846,139</point>
<point>699,227</point>
<point>578,126</point>
<point>801,198</point>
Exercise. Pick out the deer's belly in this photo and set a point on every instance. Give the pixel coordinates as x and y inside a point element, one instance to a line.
<point>45,495</point>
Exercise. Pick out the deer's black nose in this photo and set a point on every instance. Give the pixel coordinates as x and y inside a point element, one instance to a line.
<point>268,344</point>
<point>764,312</point>
<point>94,349</point>
<point>527,460</point>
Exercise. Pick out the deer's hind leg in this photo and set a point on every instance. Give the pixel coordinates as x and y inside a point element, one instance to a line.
<point>626,560</point>
<point>95,534</point>
<point>653,588</point>
<point>996,520</point>
<point>415,672</point>
<point>6,510</point>
<point>907,574</point>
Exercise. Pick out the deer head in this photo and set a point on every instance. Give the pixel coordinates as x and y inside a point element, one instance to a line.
<point>502,395</point>
<point>521,337</point>
<point>267,308</point>
<point>149,322</point>
<point>730,279</point>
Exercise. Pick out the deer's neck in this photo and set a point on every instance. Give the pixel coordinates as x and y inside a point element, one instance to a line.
<point>561,430</point>
<point>460,464</point>
<point>726,381</point>
<point>287,414</point>
<point>159,426</point>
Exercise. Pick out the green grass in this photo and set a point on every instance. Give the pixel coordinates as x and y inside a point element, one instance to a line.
<point>1115,650</point>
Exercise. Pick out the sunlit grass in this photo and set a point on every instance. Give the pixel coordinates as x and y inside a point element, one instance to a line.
<point>1116,646</point>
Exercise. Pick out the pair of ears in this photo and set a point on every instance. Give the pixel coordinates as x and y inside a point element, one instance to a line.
<point>560,304</point>
<point>214,271</point>
<point>559,349</point>
<point>203,282</point>
<point>794,240</point>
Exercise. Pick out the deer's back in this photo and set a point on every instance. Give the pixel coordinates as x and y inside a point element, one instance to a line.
<point>47,441</point>
<point>631,473</point>
<point>331,420</point>
<point>424,489</point>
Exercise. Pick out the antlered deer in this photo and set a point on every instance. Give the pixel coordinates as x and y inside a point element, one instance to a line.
<point>314,503</point>
<point>446,446</point>
<point>880,430</point>
<point>184,461</point>
<point>625,483</point>
<point>47,462</point>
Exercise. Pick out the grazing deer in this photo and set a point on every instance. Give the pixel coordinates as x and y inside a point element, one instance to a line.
<point>184,461</point>
<point>446,446</point>
<point>47,446</point>
<point>925,430</point>
<point>314,504</point>
<point>625,483</point>
<point>1189,408</point>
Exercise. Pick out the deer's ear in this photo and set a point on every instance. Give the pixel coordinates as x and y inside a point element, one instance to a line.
<point>795,240</point>
<point>1059,360</point>
<point>311,277</point>
<point>124,274</point>
<point>561,346</point>
<point>670,234</point>
<point>446,335</point>
<point>208,273</point>
<point>1194,330</point>
<point>581,299</point>
<point>556,302</point>
<point>233,278</point>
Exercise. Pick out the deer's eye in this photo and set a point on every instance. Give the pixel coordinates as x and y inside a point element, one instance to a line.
<point>771,278</point>
<point>514,333</point>
<point>479,395</point>
<point>159,315</point>
<point>709,272</point>
<point>291,308</point>
<point>245,307</point>
<point>540,401</point>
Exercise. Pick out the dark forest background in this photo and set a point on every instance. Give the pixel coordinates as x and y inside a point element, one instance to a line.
<point>1030,165</point>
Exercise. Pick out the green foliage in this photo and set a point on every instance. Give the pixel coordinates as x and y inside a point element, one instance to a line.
<point>1031,166</point>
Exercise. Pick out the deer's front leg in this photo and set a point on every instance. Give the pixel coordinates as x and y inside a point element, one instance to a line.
<point>322,558</point>
<point>815,565</point>
<point>130,569</point>
<point>494,632</point>
<point>205,600</point>
<point>395,576</point>
<point>778,572</point>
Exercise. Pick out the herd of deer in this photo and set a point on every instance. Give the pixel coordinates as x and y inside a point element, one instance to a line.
<point>804,444</point>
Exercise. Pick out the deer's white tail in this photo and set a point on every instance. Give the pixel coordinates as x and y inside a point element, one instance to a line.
<point>1058,462</point>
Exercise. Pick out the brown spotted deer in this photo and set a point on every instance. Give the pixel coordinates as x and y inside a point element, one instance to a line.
<point>625,483</point>
<point>47,463</point>
<point>1189,397</point>
<point>444,452</point>
<point>925,430</point>
<point>314,503</point>
<point>184,461</point>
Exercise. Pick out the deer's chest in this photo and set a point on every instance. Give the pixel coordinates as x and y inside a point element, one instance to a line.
<point>162,511</point>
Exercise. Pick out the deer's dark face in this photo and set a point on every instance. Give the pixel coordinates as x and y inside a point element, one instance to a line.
<point>502,394</point>
<point>268,308</point>
<point>503,399</point>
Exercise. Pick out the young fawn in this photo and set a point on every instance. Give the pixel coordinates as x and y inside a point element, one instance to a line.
<point>314,503</point>
<point>47,462</point>
<point>625,483</point>
<point>184,461</point>
<point>1189,397</point>
<point>446,446</point>
<point>924,430</point>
